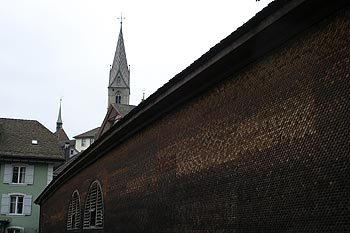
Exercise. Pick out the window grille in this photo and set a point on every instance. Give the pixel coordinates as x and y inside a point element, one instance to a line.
<point>93,212</point>
<point>73,219</point>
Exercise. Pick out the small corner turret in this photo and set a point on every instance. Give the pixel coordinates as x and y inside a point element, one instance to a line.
<point>59,122</point>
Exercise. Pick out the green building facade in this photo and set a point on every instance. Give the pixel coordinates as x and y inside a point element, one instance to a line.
<point>28,154</point>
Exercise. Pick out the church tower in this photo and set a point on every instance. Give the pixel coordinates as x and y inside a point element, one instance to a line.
<point>119,75</point>
<point>118,87</point>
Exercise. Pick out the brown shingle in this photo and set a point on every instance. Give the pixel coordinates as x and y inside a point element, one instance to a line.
<point>89,134</point>
<point>17,136</point>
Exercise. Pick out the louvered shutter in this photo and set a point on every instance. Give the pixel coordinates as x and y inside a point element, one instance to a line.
<point>27,205</point>
<point>29,176</point>
<point>69,217</point>
<point>7,173</point>
<point>74,212</point>
<point>49,173</point>
<point>77,211</point>
<point>5,204</point>
<point>94,202</point>
<point>99,208</point>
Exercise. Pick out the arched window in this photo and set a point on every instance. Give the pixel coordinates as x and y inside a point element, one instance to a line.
<point>74,216</point>
<point>93,212</point>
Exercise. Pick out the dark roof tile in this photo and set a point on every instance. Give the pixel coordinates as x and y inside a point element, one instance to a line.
<point>16,140</point>
<point>88,134</point>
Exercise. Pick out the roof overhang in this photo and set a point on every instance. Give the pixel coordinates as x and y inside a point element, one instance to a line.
<point>266,31</point>
<point>28,158</point>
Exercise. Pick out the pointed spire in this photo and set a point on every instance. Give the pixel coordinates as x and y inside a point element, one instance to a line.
<point>59,122</point>
<point>119,75</point>
<point>120,64</point>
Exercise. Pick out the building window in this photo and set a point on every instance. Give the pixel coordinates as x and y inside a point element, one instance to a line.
<point>18,174</point>
<point>93,212</point>
<point>16,204</point>
<point>83,142</point>
<point>15,230</point>
<point>73,220</point>
<point>118,99</point>
<point>118,80</point>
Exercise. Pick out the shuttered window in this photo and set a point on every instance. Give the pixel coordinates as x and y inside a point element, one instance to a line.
<point>16,204</point>
<point>74,216</point>
<point>93,212</point>
<point>18,174</point>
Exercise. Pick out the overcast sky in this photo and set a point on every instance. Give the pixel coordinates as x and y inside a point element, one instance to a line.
<point>63,49</point>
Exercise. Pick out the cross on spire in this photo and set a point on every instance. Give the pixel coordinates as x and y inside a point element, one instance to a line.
<point>121,18</point>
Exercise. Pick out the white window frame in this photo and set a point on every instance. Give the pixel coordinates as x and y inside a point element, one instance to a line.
<point>6,204</point>
<point>20,179</point>
<point>17,195</point>
<point>21,229</point>
<point>27,174</point>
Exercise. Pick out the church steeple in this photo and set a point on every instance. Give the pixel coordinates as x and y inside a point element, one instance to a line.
<point>119,75</point>
<point>59,122</point>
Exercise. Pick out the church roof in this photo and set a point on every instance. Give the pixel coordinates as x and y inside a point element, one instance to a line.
<point>120,63</point>
<point>114,113</point>
<point>123,109</point>
<point>61,135</point>
<point>279,22</point>
<point>27,139</point>
<point>62,138</point>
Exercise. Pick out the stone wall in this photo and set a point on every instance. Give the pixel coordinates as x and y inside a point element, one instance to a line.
<point>267,150</point>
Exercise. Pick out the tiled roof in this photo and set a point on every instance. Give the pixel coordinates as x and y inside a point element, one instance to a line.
<point>16,140</point>
<point>263,31</point>
<point>72,142</point>
<point>64,165</point>
<point>123,109</point>
<point>88,134</point>
<point>61,135</point>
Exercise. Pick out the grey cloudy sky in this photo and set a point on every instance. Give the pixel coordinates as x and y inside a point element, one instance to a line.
<point>51,49</point>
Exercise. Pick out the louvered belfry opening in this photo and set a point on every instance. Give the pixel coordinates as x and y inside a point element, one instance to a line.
<point>74,213</point>
<point>93,212</point>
